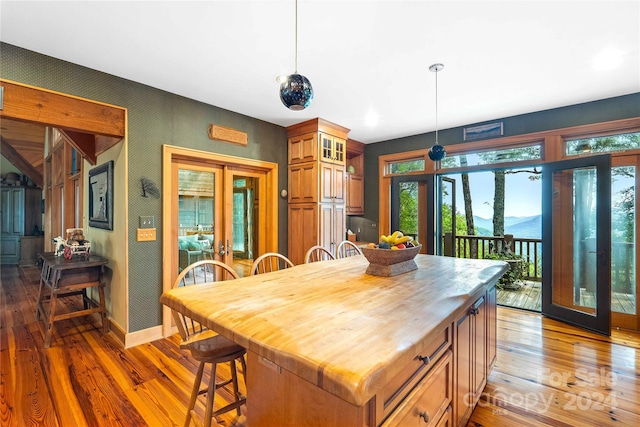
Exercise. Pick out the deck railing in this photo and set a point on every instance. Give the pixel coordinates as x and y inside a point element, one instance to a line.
<point>622,256</point>
<point>480,246</point>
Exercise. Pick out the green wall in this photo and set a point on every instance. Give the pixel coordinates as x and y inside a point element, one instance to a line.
<point>155,118</point>
<point>622,107</point>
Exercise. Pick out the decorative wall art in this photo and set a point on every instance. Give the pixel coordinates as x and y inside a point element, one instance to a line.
<point>101,196</point>
<point>487,131</point>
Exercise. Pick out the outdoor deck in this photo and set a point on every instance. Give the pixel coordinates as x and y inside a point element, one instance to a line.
<point>529,297</point>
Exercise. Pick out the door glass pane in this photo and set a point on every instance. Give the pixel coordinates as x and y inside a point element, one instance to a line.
<point>244,219</point>
<point>575,264</point>
<point>196,216</point>
<point>623,242</point>
<point>409,209</point>
<point>448,216</point>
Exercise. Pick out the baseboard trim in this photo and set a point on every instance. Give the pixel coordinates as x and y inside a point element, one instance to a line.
<point>144,336</point>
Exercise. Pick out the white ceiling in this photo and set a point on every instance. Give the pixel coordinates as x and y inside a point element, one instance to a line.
<point>364,58</point>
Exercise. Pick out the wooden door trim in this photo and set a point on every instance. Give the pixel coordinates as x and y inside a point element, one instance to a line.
<point>172,153</point>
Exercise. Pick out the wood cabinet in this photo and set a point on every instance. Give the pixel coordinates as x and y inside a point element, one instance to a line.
<point>63,186</point>
<point>471,359</point>
<point>20,213</point>
<point>355,194</point>
<point>30,249</point>
<point>317,186</point>
<point>332,148</point>
<point>355,178</point>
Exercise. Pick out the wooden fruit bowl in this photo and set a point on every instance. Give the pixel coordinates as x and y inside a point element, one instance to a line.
<point>387,262</point>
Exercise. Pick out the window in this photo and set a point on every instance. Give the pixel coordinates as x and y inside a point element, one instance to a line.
<point>406,166</point>
<point>603,144</point>
<point>507,155</point>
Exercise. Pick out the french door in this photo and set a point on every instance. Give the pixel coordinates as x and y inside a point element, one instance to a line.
<point>412,209</point>
<point>624,231</point>
<point>576,231</point>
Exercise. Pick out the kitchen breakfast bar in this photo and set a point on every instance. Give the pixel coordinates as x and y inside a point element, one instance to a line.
<point>329,345</point>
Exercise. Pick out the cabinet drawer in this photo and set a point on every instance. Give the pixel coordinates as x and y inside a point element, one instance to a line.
<point>396,389</point>
<point>430,399</point>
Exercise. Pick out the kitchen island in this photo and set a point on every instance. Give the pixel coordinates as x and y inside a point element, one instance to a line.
<point>330,345</point>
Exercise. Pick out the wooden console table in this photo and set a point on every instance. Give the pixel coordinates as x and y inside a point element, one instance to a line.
<point>66,277</point>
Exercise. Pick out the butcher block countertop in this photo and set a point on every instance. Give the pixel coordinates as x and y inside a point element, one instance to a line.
<point>332,324</point>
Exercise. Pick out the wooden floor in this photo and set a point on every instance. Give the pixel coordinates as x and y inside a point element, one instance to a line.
<point>529,297</point>
<point>547,373</point>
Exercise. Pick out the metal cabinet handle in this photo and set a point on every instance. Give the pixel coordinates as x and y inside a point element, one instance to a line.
<point>424,359</point>
<point>221,250</point>
<point>424,415</point>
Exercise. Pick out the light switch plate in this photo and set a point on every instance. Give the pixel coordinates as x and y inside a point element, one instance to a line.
<point>147,222</point>
<point>146,234</point>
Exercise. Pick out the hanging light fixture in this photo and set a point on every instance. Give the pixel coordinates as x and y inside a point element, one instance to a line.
<point>296,91</point>
<point>437,152</point>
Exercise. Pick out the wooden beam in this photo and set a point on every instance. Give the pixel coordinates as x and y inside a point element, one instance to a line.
<point>85,143</point>
<point>27,103</point>
<point>18,161</point>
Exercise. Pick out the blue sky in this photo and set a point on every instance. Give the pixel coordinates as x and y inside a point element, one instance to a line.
<point>523,196</point>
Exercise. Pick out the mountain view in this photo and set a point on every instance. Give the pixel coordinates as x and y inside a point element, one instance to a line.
<point>520,226</point>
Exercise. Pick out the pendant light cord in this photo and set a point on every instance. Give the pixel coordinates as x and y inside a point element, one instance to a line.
<point>296,68</point>
<point>436,105</point>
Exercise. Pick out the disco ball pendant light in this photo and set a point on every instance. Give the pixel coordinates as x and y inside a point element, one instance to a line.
<point>296,91</point>
<point>437,152</point>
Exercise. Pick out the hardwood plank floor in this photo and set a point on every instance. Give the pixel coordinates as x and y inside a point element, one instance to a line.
<point>547,373</point>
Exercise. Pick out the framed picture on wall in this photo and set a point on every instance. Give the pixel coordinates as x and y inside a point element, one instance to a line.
<point>101,196</point>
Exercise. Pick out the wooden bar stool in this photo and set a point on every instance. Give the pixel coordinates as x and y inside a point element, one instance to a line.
<point>206,346</point>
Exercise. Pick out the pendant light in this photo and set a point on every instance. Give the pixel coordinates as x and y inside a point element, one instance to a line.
<point>437,152</point>
<point>296,91</point>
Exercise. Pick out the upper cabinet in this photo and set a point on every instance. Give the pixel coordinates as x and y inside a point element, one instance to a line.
<point>317,140</point>
<point>332,148</point>
<point>354,178</point>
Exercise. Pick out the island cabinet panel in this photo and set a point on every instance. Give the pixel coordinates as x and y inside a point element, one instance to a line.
<point>492,327</point>
<point>471,359</point>
<point>305,404</point>
<point>429,401</point>
<point>399,386</point>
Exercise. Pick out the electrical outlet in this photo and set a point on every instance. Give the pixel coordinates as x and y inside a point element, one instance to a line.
<point>358,230</point>
<point>147,222</point>
<point>146,234</point>
<point>374,225</point>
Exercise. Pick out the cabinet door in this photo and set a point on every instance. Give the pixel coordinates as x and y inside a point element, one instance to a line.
<point>332,226</point>
<point>303,230</point>
<point>464,370</point>
<point>479,338</point>
<point>355,194</point>
<point>471,361</point>
<point>12,211</point>
<point>332,149</point>
<point>339,150</point>
<point>339,226</point>
<point>303,148</point>
<point>303,182</point>
<point>326,233</point>
<point>492,328</point>
<point>332,183</point>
